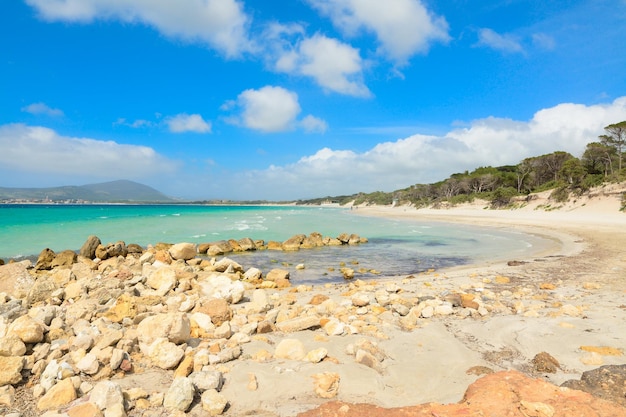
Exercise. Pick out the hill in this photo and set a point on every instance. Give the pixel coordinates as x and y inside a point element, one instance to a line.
<point>121,191</point>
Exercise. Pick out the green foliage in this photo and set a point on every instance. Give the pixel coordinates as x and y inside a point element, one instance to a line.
<point>502,196</point>
<point>560,194</point>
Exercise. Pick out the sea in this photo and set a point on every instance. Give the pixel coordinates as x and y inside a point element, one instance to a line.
<point>396,247</point>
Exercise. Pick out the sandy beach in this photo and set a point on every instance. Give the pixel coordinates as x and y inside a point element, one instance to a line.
<point>392,342</point>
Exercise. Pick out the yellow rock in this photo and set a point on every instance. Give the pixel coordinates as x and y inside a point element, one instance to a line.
<point>603,350</point>
<point>326,384</point>
<point>591,286</point>
<point>502,279</point>
<point>547,286</point>
<point>60,394</point>
<point>125,306</point>
<point>185,367</point>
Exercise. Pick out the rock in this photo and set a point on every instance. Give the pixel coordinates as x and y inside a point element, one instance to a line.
<point>180,395</point>
<point>544,362</point>
<point>316,355</point>
<point>162,280</point>
<point>507,393</point>
<point>44,260</point>
<point>363,357</point>
<point>65,258</point>
<point>298,324</point>
<point>348,273</point>
<point>207,380</point>
<point>467,301</point>
<point>125,307</point>
<point>213,402</point>
<point>15,279</point>
<point>27,329</point>
<point>227,264</point>
<point>247,244</point>
<point>326,384</point>
<point>318,299</point>
<point>221,286</point>
<point>218,309</point>
<point>252,274</point>
<point>10,369</point>
<point>219,248</point>
<point>607,382</point>
<point>292,349</point>
<point>88,250</point>
<point>259,302</point>
<point>111,250</point>
<point>12,346</point>
<point>164,354</point>
<point>360,300</point>
<point>88,364</point>
<point>7,396</point>
<point>62,393</point>
<point>41,291</point>
<point>174,327</point>
<point>106,394</point>
<point>277,274</point>
<point>84,410</point>
<point>334,327</point>
<point>184,251</point>
<point>293,243</point>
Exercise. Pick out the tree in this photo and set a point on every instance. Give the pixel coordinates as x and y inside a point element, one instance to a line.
<point>616,138</point>
<point>573,172</point>
<point>524,170</point>
<point>598,158</point>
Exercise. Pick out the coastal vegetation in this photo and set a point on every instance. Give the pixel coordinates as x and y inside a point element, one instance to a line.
<point>564,174</point>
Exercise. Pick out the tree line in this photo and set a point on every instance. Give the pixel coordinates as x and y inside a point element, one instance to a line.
<point>561,172</point>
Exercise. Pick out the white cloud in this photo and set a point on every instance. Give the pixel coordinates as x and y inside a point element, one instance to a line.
<point>137,124</point>
<point>505,43</point>
<point>221,24</point>
<point>42,108</point>
<point>403,27</point>
<point>43,153</point>
<point>426,158</point>
<point>312,124</point>
<point>188,123</point>
<point>269,109</point>
<point>334,65</point>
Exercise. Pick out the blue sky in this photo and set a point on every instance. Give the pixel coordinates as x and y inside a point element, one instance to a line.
<point>293,99</point>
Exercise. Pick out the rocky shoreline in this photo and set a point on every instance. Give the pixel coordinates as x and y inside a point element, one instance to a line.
<point>181,329</point>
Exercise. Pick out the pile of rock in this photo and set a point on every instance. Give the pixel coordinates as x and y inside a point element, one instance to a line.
<point>294,243</point>
<point>82,335</point>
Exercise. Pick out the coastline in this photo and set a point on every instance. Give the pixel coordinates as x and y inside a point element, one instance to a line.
<point>403,341</point>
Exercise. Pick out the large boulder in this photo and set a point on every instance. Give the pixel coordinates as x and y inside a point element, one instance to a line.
<point>293,243</point>
<point>184,251</point>
<point>44,260</point>
<point>65,258</point>
<point>15,279</point>
<point>88,250</point>
<point>174,327</point>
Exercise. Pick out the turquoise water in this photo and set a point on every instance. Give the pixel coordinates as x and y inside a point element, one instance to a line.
<point>396,247</point>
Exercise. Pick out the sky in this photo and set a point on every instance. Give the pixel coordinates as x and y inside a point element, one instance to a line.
<point>297,99</point>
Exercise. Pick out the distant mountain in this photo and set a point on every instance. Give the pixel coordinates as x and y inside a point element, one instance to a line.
<point>121,191</point>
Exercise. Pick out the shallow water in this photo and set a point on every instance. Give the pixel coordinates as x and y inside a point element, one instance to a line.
<point>396,247</point>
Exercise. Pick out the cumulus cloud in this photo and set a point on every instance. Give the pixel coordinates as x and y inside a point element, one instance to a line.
<point>402,27</point>
<point>271,109</point>
<point>42,108</point>
<point>268,109</point>
<point>221,24</point>
<point>334,65</point>
<point>505,43</point>
<point>40,151</point>
<point>188,123</point>
<point>426,158</point>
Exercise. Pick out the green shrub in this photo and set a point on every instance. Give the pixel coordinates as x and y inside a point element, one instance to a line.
<point>501,197</point>
<point>560,194</point>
